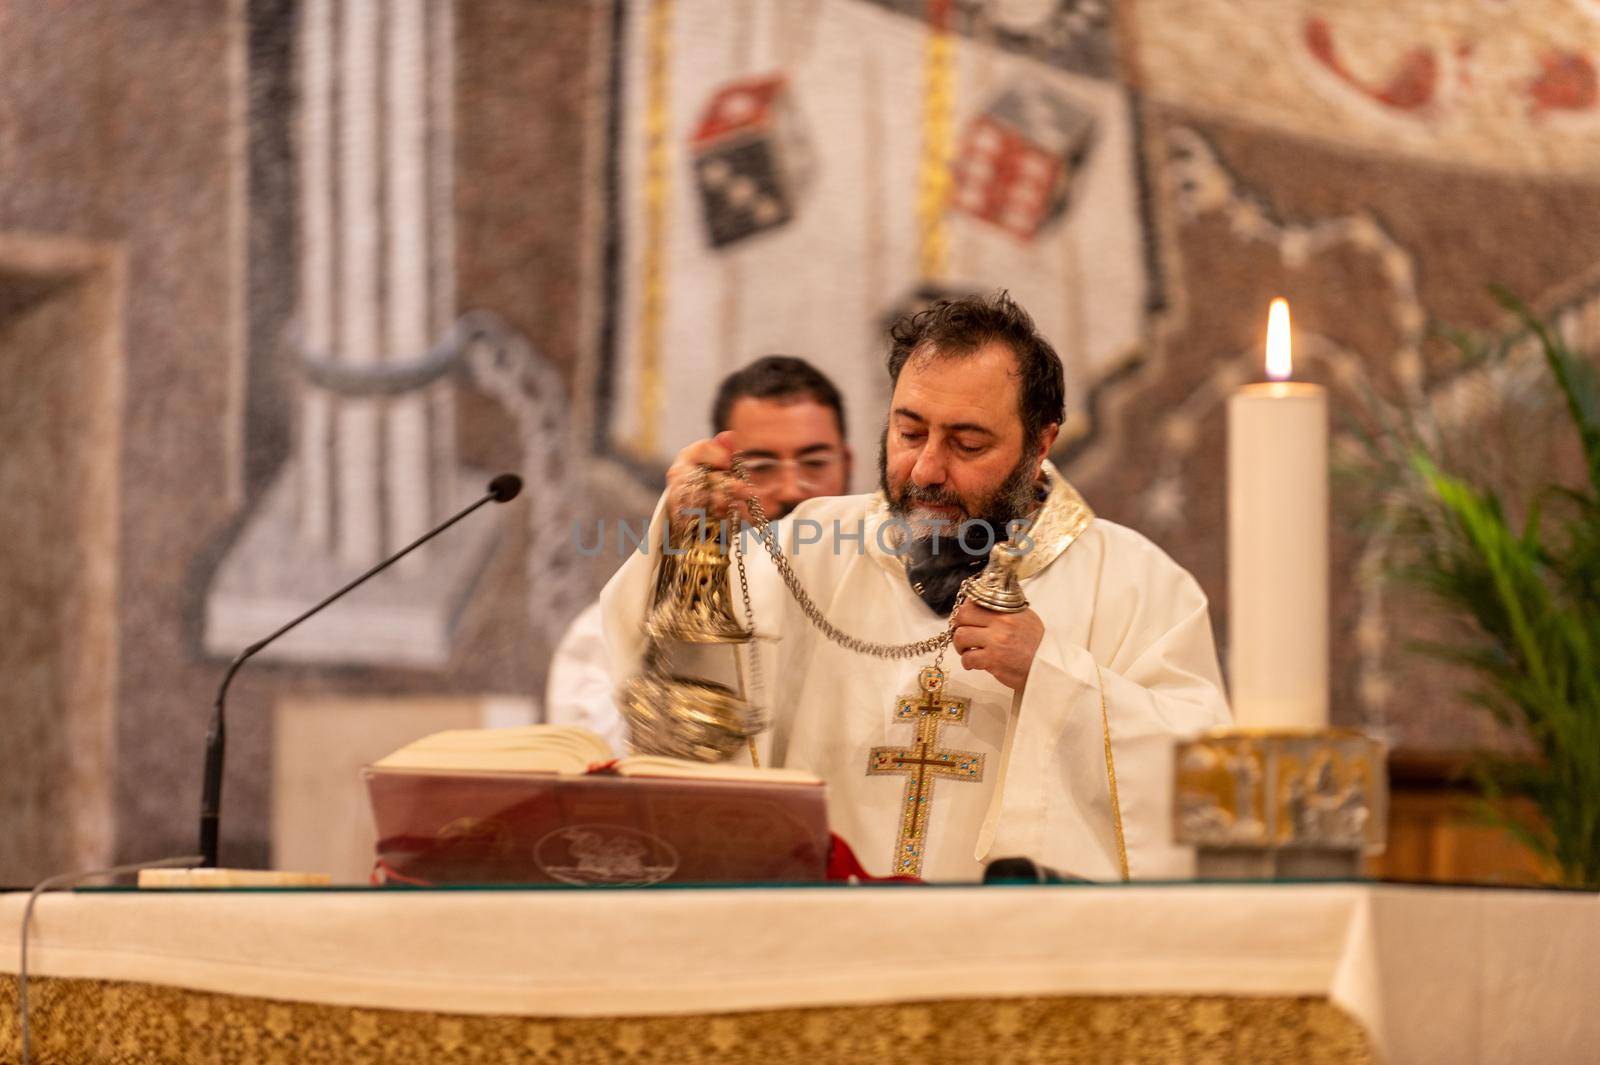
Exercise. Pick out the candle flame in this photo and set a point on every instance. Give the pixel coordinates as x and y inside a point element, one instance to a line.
<point>1280,364</point>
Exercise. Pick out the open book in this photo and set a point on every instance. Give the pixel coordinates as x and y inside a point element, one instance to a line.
<point>553,804</point>
<point>564,749</point>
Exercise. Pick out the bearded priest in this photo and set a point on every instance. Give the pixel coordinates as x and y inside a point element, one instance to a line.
<point>1047,732</point>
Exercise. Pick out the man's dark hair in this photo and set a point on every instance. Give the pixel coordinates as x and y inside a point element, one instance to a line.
<point>954,328</point>
<point>776,377</point>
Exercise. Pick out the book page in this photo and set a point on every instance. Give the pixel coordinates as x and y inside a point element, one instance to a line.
<point>648,765</point>
<point>566,749</point>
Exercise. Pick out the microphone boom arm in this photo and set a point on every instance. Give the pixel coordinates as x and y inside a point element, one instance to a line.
<point>502,489</point>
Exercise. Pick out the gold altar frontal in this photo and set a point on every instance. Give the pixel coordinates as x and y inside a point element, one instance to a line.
<point>97,1021</point>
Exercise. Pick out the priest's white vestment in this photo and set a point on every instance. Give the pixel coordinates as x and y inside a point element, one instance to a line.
<point>578,689</point>
<point>1075,772</point>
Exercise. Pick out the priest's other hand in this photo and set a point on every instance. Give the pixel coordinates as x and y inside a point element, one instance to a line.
<point>1002,645</point>
<point>690,495</point>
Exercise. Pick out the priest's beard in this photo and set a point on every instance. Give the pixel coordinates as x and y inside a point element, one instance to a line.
<point>943,553</point>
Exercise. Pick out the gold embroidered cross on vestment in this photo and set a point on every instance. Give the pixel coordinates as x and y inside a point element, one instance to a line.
<point>923,763</point>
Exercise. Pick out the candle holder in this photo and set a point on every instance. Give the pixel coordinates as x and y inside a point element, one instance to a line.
<point>1281,804</point>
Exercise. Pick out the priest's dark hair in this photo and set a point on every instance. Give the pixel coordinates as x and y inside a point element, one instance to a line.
<point>781,377</point>
<point>954,328</point>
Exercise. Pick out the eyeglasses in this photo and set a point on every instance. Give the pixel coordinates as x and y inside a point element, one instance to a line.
<point>809,471</point>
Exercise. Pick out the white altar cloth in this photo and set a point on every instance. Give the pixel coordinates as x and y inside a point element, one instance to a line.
<point>1434,974</point>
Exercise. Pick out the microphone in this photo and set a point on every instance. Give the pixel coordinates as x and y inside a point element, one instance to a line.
<point>1025,871</point>
<point>502,489</point>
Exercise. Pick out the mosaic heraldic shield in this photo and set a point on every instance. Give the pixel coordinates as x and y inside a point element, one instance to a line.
<point>934,155</point>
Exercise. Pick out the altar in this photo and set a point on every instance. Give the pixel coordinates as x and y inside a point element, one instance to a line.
<point>1343,972</point>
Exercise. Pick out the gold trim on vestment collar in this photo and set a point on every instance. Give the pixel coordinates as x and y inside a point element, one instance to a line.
<point>1060,520</point>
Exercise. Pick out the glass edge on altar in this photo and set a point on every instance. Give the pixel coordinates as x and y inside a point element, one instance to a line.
<point>347,889</point>
<point>1153,884</point>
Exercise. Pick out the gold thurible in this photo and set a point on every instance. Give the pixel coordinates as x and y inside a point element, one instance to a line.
<point>669,713</point>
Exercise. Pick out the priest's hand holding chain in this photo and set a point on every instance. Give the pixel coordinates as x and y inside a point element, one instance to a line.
<point>1002,645</point>
<point>700,484</point>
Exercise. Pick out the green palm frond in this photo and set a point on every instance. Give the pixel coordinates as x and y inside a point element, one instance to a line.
<point>1529,591</point>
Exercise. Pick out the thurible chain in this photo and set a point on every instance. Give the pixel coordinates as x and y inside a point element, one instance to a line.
<point>763,526</point>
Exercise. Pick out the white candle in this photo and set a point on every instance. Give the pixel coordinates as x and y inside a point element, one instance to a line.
<point>1278,545</point>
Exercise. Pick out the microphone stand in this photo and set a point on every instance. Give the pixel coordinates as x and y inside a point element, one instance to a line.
<point>502,489</point>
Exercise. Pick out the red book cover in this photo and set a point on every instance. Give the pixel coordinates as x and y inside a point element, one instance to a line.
<point>440,827</point>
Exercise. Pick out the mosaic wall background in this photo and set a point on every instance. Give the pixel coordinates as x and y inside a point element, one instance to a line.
<point>281,281</point>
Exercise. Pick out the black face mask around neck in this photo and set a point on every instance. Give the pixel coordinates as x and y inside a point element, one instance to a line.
<point>936,565</point>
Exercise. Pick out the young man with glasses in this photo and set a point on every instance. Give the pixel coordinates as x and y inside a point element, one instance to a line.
<point>787,420</point>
